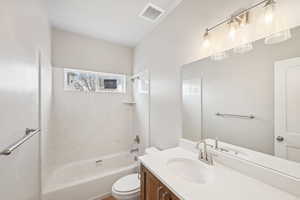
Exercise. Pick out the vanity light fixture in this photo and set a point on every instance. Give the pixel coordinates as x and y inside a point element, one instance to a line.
<point>239,20</point>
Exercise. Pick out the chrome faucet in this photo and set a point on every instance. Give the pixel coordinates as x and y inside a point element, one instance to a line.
<point>204,156</point>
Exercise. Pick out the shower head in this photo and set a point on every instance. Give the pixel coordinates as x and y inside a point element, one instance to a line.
<point>135,77</point>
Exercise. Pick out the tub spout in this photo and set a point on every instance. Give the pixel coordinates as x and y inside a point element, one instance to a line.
<point>134,150</point>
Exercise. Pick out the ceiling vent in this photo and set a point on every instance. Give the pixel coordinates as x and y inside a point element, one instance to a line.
<point>151,12</point>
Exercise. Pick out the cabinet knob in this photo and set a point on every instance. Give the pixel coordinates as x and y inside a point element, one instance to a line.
<point>164,195</point>
<point>280,138</point>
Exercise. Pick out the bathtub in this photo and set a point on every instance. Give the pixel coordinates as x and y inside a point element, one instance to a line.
<point>89,179</point>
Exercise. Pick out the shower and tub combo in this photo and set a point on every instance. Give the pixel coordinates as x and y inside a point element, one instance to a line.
<point>95,179</point>
<point>100,177</point>
<point>89,179</point>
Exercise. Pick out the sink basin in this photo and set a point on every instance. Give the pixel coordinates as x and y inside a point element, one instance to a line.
<point>191,170</point>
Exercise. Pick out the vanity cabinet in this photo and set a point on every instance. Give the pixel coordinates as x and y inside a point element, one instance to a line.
<point>152,188</point>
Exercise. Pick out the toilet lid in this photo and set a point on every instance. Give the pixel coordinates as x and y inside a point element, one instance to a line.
<point>127,183</point>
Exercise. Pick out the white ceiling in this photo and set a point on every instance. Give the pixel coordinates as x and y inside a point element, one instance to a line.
<point>111,20</point>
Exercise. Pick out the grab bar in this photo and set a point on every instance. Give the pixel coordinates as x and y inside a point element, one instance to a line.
<point>238,116</point>
<point>28,134</point>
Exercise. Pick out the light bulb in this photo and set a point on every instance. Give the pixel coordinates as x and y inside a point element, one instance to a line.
<point>232,29</point>
<point>206,43</point>
<point>269,11</point>
<point>206,40</point>
<point>232,33</point>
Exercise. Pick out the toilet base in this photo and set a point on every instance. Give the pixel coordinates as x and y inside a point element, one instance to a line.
<point>126,197</point>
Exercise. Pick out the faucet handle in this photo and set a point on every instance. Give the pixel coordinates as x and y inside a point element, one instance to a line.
<point>201,154</point>
<point>137,139</point>
<point>216,143</point>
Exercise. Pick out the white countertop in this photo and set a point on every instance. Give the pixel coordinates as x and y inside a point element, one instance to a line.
<point>227,184</point>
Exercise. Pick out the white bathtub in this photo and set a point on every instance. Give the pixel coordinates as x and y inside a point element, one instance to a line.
<point>88,180</point>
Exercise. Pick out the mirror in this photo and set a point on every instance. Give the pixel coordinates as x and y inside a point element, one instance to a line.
<point>251,100</point>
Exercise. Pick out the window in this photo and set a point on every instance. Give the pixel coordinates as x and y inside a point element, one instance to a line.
<point>86,81</point>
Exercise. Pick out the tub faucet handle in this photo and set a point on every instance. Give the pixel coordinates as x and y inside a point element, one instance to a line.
<point>137,139</point>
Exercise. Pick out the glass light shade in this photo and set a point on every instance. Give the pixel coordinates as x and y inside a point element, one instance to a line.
<point>278,37</point>
<point>244,48</point>
<point>244,22</point>
<point>270,12</point>
<point>206,39</point>
<point>219,56</point>
<point>206,42</point>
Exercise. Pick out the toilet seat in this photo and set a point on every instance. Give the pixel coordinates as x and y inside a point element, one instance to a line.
<point>126,184</point>
<point>127,187</point>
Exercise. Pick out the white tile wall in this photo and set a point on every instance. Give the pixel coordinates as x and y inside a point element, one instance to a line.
<point>87,125</point>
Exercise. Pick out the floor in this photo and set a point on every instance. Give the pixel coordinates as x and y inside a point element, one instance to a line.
<point>109,198</point>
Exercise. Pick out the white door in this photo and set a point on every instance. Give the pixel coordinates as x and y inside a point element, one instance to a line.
<point>287,109</point>
<point>19,109</point>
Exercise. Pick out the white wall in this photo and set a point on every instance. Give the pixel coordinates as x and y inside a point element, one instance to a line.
<point>78,51</point>
<point>86,125</point>
<point>177,41</point>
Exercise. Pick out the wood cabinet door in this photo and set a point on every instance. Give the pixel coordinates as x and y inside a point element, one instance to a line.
<point>153,189</point>
<point>150,186</point>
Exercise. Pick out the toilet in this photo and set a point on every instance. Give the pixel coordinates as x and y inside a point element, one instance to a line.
<point>128,187</point>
